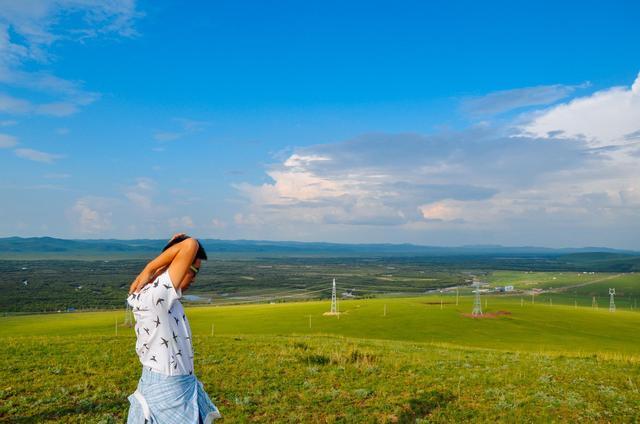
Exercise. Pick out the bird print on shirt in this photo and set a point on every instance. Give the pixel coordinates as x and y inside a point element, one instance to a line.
<point>178,355</point>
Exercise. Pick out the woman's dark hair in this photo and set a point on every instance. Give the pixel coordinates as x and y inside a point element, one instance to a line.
<point>201,254</point>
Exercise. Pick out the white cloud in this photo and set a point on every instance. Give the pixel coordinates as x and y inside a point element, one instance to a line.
<point>607,117</point>
<point>218,223</point>
<point>7,140</point>
<point>37,155</point>
<point>92,215</point>
<point>8,123</point>
<point>446,210</point>
<point>493,184</point>
<point>181,222</point>
<point>141,193</point>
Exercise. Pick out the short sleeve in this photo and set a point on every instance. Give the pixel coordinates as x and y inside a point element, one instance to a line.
<point>164,294</point>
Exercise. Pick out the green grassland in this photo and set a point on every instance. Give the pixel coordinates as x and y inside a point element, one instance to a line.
<point>287,362</point>
<point>571,288</point>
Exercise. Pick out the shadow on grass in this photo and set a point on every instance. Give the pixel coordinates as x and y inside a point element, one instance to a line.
<point>114,408</point>
<point>420,407</point>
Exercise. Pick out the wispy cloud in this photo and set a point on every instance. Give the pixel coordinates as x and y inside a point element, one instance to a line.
<point>29,29</point>
<point>7,140</point>
<point>37,155</point>
<point>185,127</point>
<point>507,100</point>
<point>12,105</point>
<point>57,176</point>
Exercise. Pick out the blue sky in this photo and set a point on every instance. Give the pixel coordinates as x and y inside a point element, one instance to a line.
<point>442,123</point>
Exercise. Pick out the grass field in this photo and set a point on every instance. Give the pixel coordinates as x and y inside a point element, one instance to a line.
<point>423,360</point>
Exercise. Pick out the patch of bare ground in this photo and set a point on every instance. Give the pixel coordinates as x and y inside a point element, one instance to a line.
<point>488,315</point>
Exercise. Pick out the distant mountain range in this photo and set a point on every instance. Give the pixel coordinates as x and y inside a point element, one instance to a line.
<point>145,247</point>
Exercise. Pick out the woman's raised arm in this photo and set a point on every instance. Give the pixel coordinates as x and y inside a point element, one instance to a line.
<point>178,258</point>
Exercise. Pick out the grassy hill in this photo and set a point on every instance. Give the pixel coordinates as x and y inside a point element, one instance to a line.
<point>424,359</point>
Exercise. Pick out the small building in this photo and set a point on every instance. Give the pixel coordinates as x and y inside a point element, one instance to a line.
<point>348,294</point>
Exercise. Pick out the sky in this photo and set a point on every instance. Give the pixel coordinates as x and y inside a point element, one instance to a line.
<point>434,123</point>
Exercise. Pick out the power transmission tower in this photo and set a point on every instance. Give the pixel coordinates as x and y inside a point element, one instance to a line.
<point>334,300</point>
<point>477,303</point>
<point>612,304</point>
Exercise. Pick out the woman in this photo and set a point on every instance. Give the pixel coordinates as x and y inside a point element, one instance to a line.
<point>168,391</point>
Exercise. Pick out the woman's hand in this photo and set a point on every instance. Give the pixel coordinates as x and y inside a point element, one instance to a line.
<point>145,277</point>
<point>141,280</point>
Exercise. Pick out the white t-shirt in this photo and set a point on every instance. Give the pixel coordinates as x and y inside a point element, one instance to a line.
<point>162,330</point>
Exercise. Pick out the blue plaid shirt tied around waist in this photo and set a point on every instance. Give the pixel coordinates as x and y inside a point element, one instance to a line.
<point>170,399</point>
